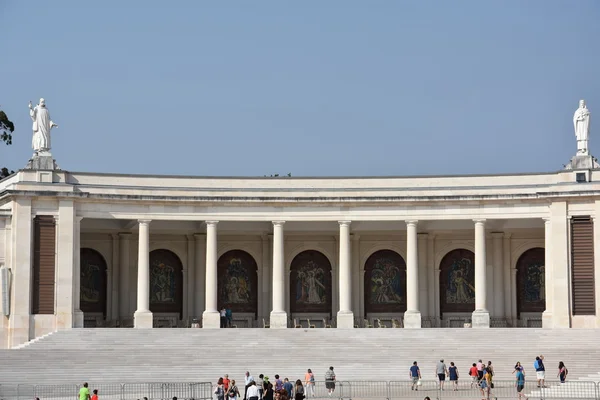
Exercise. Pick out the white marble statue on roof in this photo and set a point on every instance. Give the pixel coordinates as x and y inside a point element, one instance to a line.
<point>42,124</point>
<point>581,123</point>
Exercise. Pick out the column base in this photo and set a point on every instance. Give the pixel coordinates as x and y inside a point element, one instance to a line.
<point>142,320</point>
<point>211,320</point>
<point>412,319</point>
<point>278,320</point>
<point>77,319</point>
<point>345,320</point>
<point>480,319</point>
<point>18,330</point>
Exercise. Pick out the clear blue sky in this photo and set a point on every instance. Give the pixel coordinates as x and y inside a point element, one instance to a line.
<point>312,88</point>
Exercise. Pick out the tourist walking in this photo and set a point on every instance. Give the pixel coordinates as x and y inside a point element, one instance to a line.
<point>289,388</point>
<point>226,382</point>
<point>95,394</point>
<point>474,374</point>
<point>540,371</point>
<point>268,391</point>
<point>309,382</point>
<point>232,392</point>
<point>278,384</point>
<point>479,370</point>
<point>415,376</point>
<point>261,386</point>
<point>562,372</point>
<point>485,385</point>
<point>330,381</point>
<point>220,390</point>
<point>441,371</point>
<point>248,378</point>
<point>519,367</point>
<point>453,375</point>
<point>223,316</point>
<point>84,392</point>
<point>252,392</point>
<point>298,390</point>
<point>228,316</point>
<point>520,384</point>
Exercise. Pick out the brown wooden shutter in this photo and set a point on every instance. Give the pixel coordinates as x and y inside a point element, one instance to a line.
<point>44,265</point>
<point>582,266</point>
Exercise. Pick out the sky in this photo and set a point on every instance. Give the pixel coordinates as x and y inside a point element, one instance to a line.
<point>312,88</point>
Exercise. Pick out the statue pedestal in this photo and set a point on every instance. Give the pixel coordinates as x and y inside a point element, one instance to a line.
<point>582,162</point>
<point>42,161</point>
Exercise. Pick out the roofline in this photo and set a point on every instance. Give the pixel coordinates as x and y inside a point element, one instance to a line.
<point>109,174</point>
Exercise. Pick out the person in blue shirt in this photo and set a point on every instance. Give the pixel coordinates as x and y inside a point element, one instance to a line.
<point>228,316</point>
<point>520,383</point>
<point>415,376</point>
<point>287,385</point>
<point>540,371</point>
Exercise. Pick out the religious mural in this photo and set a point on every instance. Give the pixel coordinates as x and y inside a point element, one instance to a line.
<point>531,293</point>
<point>92,281</point>
<point>166,282</point>
<point>237,283</point>
<point>310,283</point>
<point>385,282</point>
<point>457,281</point>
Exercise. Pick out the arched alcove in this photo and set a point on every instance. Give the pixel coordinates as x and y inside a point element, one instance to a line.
<point>385,282</point>
<point>310,283</point>
<point>166,282</point>
<point>531,275</point>
<point>457,282</point>
<point>238,282</point>
<point>93,283</point>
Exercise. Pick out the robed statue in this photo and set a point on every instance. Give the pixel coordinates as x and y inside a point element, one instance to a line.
<point>581,123</point>
<point>42,124</point>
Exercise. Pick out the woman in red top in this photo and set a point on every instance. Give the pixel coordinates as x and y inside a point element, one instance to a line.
<point>95,395</point>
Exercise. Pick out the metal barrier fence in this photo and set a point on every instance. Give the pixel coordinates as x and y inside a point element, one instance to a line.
<point>111,391</point>
<point>346,390</point>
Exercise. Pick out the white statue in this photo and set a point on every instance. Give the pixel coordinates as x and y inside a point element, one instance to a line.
<point>42,124</point>
<point>581,122</point>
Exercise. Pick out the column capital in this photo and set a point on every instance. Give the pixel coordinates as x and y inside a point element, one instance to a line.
<point>497,235</point>
<point>479,221</point>
<point>144,221</point>
<point>411,222</point>
<point>211,223</point>
<point>546,220</point>
<point>78,219</point>
<point>344,223</point>
<point>278,223</point>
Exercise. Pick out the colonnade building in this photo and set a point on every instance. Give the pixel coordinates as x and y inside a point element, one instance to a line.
<point>110,250</point>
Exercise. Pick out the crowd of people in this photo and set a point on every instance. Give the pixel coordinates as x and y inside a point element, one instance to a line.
<point>280,389</point>
<point>482,376</point>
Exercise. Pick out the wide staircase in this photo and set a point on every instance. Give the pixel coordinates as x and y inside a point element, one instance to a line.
<point>196,355</point>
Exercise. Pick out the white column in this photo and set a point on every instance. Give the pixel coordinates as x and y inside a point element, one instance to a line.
<point>412,316</point>
<point>345,316</point>
<point>66,272</point>
<point>355,260</point>
<point>423,273</point>
<point>507,279</point>
<point>191,277</point>
<point>20,265</point>
<point>124,274</point>
<point>112,290</point>
<point>481,315</point>
<point>200,254</point>
<point>77,313</point>
<point>498,268</point>
<point>142,318</point>
<point>210,317</point>
<point>547,314</point>
<point>278,315</point>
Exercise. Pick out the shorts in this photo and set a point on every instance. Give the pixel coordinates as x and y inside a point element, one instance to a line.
<point>330,385</point>
<point>442,377</point>
<point>520,388</point>
<point>541,374</point>
<point>415,379</point>
<point>474,378</point>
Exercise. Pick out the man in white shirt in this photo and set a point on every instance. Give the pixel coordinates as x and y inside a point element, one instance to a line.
<point>252,391</point>
<point>248,379</point>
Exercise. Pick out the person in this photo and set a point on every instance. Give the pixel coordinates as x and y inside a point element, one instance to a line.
<point>453,375</point>
<point>232,391</point>
<point>519,367</point>
<point>309,382</point>
<point>484,384</point>
<point>287,385</point>
<point>278,384</point>
<point>441,371</point>
<point>84,392</point>
<point>226,382</point>
<point>249,378</point>
<point>562,372</point>
<point>520,384</point>
<point>228,316</point>
<point>95,395</point>
<point>222,314</point>
<point>220,390</point>
<point>415,376</point>
<point>540,371</point>
<point>330,381</point>
<point>261,386</point>
<point>298,390</point>
<point>268,391</point>
<point>479,370</point>
<point>252,392</point>
<point>474,374</point>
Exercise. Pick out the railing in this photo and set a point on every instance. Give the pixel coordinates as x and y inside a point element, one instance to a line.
<point>112,391</point>
<point>346,390</point>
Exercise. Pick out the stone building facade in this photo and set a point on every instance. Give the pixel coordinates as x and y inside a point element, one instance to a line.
<point>110,250</point>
